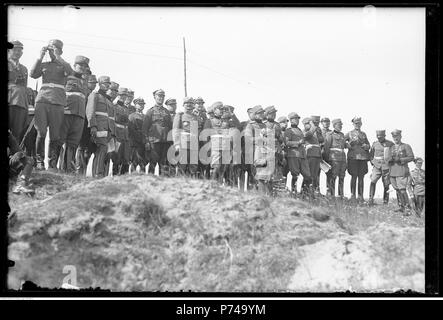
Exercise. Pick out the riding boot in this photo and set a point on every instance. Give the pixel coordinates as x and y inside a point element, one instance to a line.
<point>406,201</point>
<point>54,152</point>
<point>386,196</point>
<point>371,193</point>
<point>400,202</point>
<point>341,182</point>
<point>294,186</point>
<point>353,186</point>
<point>360,187</point>
<point>40,153</point>
<point>80,165</point>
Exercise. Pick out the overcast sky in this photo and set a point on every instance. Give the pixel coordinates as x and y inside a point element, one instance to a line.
<point>335,62</point>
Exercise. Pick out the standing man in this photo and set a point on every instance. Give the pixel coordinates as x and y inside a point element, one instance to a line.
<point>283,121</point>
<point>171,106</point>
<point>325,122</point>
<point>121,164</point>
<point>74,118</point>
<point>358,157</point>
<point>401,155</point>
<point>417,183</point>
<point>50,101</point>
<point>202,117</point>
<point>97,113</point>
<point>156,125</point>
<point>17,95</point>
<point>380,167</point>
<point>136,137</point>
<point>128,101</point>
<point>313,148</point>
<point>334,154</point>
<point>297,162</point>
<point>186,133</point>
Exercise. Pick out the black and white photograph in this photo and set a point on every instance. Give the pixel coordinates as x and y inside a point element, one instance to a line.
<point>217,149</point>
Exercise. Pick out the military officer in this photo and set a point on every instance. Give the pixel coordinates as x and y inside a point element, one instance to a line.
<point>202,117</point>
<point>121,163</point>
<point>92,83</point>
<point>128,102</point>
<point>17,96</point>
<point>74,118</point>
<point>417,183</point>
<point>171,106</point>
<point>401,154</point>
<point>334,154</point>
<point>136,136</point>
<point>50,101</point>
<point>380,167</point>
<point>325,122</point>
<point>156,125</point>
<point>297,162</point>
<point>98,109</point>
<point>186,133</point>
<point>30,134</point>
<point>358,157</point>
<point>313,149</point>
<point>283,121</point>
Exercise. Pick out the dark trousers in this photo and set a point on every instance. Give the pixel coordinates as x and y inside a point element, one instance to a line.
<point>18,117</point>
<point>314,168</point>
<point>158,156</point>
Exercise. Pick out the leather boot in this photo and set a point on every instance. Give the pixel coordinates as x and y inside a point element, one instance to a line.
<point>406,202</point>
<point>294,186</point>
<point>400,202</point>
<point>54,153</point>
<point>341,182</point>
<point>80,166</point>
<point>371,193</point>
<point>70,159</point>
<point>360,187</point>
<point>40,153</point>
<point>331,186</point>
<point>353,187</point>
<point>386,196</point>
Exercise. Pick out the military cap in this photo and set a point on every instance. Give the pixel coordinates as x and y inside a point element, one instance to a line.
<point>418,159</point>
<point>139,101</point>
<point>228,107</point>
<point>216,105</point>
<point>199,100</point>
<point>188,100</point>
<point>92,78</point>
<point>159,91</point>
<point>17,44</point>
<point>282,119</point>
<point>306,120</point>
<point>81,60</point>
<point>380,132</point>
<point>396,132</point>
<point>210,109</point>
<point>315,118</point>
<point>338,120</point>
<point>293,115</point>
<point>122,91</point>
<point>249,110</point>
<point>170,101</point>
<point>104,79</point>
<point>270,109</point>
<point>130,93</point>
<point>325,119</point>
<point>257,109</point>
<point>356,119</point>
<point>114,86</point>
<point>56,43</point>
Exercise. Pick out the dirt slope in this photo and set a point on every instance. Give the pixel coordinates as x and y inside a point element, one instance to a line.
<point>152,233</point>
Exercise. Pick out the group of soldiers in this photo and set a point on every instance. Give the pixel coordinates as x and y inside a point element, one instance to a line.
<point>89,116</point>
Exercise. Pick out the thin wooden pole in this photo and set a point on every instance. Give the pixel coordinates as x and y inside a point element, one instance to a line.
<point>184,54</point>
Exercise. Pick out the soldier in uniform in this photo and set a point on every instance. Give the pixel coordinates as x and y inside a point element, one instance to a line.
<point>401,155</point>
<point>20,166</point>
<point>380,168</point>
<point>334,154</point>
<point>118,134</point>
<point>417,184</point>
<point>17,96</point>
<point>30,134</point>
<point>185,137</point>
<point>283,121</point>
<point>156,126</point>
<point>171,106</point>
<point>74,118</point>
<point>313,148</point>
<point>136,136</point>
<point>92,83</point>
<point>358,157</point>
<point>271,124</point>
<point>50,101</point>
<point>98,109</point>
<point>121,163</point>
<point>253,139</point>
<point>325,122</point>
<point>297,162</point>
<point>128,101</point>
<point>202,117</point>
<point>233,170</point>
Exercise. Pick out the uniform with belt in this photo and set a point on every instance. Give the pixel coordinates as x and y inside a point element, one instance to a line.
<point>156,126</point>
<point>324,131</point>
<point>121,163</point>
<point>313,144</point>
<point>136,137</point>
<point>17,96</point>
<point>358,157</point>
<point>334,154</point>
<point>296,153</point>
<point>380,167</point>
<point>97,113</point>
<point>30,134</point>
<point>417,183</point>
<point>50,103</point>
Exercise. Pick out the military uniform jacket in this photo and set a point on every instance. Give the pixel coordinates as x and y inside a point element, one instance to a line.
<point>313,143</point>
<point>185,126</point>
<point>279,139</point>
<point>251,137</point>
<point>202,118</point>
<point>157,123</point>
<point>334,147</point>
<point>54,75</point>
<point>404,152</point>
<point>377,154</point>
<point>358,141</point>
<point>294,141</point>
<point>111,113</point>
<point>97,110</point>
<point>17,83</point>
<point>135,128</point>
<point>418,181</point>
<point>76,99</point>
<point>121,121</point>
